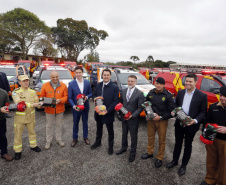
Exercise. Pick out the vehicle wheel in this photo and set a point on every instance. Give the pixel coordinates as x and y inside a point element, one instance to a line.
<point>119,116</point>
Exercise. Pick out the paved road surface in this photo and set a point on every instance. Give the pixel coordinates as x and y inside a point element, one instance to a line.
<point>81,165</point>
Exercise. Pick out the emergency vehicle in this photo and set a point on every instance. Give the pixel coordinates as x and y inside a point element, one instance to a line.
<point>30,65</point>
<point>64,76</point>
<point>12,72</point>
<point>209,79</point>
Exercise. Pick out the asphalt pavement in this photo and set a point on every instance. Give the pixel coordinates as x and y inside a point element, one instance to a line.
<point>81,165</point>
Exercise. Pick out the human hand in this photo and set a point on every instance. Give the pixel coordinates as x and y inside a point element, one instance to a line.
<point>221,129</point>
<point>191,123</point>
<point>129,117</point>
<point>58,101</point>
<point>156,118</point>
<point>3,110</point>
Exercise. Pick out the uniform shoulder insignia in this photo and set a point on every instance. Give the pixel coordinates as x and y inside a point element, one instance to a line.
<point>31,90</point>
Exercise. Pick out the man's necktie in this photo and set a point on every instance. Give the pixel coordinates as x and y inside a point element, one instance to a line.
<point>128,95</point>
<point>102,94</point>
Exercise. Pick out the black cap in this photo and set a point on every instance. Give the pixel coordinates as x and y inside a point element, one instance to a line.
<point>160,80</point>
<point>223,90</point>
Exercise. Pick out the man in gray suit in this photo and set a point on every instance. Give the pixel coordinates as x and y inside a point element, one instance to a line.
<point>131,98</point>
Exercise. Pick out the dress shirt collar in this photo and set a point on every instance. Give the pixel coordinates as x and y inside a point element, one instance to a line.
<point>186,91</point>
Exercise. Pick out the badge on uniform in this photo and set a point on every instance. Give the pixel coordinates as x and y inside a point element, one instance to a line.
<point>150,96</point>
<point>163,98</point>
<point>58,92</point>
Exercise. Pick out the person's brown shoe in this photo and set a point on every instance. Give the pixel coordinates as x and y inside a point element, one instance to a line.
<point>74,142</point>
<point>7,157</point>
<point>87,141</point>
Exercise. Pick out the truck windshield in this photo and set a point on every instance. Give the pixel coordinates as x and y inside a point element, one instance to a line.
<point>141,80</point>
<point>8,71</point>
<point>63,74</point>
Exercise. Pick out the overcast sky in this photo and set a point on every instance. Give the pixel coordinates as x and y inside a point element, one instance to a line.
<point>185,31</point>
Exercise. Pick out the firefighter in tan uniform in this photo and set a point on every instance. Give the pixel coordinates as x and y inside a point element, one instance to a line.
<point>24,93</point>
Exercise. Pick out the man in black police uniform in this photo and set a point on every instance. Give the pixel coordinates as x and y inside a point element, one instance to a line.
<point>216,152</point>
<point>162,105</point>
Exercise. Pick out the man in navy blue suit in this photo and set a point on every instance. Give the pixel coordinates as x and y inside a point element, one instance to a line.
<point>110,93</point>
<point>76,87</point>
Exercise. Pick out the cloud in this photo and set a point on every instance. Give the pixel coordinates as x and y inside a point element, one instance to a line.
<point>182,31</point>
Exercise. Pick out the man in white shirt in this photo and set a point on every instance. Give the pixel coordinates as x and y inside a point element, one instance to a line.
<point>76,87</point>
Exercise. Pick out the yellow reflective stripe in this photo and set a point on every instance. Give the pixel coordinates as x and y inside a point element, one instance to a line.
<point>32,112</point>
<point>14,125</point>
<point>34,141</point>
<point>21,113</point>
<point>18,146</point>
<point>28,104</point>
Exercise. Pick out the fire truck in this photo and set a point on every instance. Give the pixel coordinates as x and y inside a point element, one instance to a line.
<point>210,78</point>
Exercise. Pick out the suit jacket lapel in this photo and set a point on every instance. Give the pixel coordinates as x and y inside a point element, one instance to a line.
<point>134,94</point>
<point>76,87</point>
<point>182,98</point>
<point>192,101</point>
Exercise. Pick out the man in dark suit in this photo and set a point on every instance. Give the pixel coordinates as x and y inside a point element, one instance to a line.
<point>131,98</point>
<point>79,86</point>
<point>194,104</point>
<point>4,83</point>
<point>110,92</point>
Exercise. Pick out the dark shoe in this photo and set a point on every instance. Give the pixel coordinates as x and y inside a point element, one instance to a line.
<point>36,149</point>
<point>95,145</point>
<point>87,141</point>
<point>158,163</point>
<point>204,183</point>
<point>7,157</point>
<point>146,155</point>
<point>74,142</point>
<point>110,151</point>
<point>171,164</point>
<point>182,170</point>
<point>131,158</point>
<point>120,151</point>
<point>17,156</point>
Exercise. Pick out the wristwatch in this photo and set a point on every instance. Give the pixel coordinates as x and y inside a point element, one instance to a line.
<point>161,118</point>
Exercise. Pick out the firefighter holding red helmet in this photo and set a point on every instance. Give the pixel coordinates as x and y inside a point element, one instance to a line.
<point>25,117</point>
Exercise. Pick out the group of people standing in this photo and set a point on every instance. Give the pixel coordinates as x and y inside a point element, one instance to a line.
<point>192,101</point>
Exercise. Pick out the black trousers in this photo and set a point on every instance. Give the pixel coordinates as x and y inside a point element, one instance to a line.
<point>99,133</point>
<point>183,134</point>
<point>3,139</point>
<point>133,129</point>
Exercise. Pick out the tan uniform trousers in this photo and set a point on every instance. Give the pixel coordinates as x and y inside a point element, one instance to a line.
<point>161,127</point>
<point>54,119</point>
<point>216,162</point>
<point>19,125</point>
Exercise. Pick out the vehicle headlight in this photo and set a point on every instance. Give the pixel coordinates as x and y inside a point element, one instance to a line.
<point>37,89</point>
<point>11,83</point>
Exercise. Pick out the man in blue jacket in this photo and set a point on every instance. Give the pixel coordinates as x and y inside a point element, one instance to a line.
<point>110,93</point>
<point>76,87</point>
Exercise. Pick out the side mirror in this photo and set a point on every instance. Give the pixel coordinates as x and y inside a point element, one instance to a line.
<point>216,91</point>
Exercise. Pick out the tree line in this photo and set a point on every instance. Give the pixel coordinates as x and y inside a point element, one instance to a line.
<point>21,30</point>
